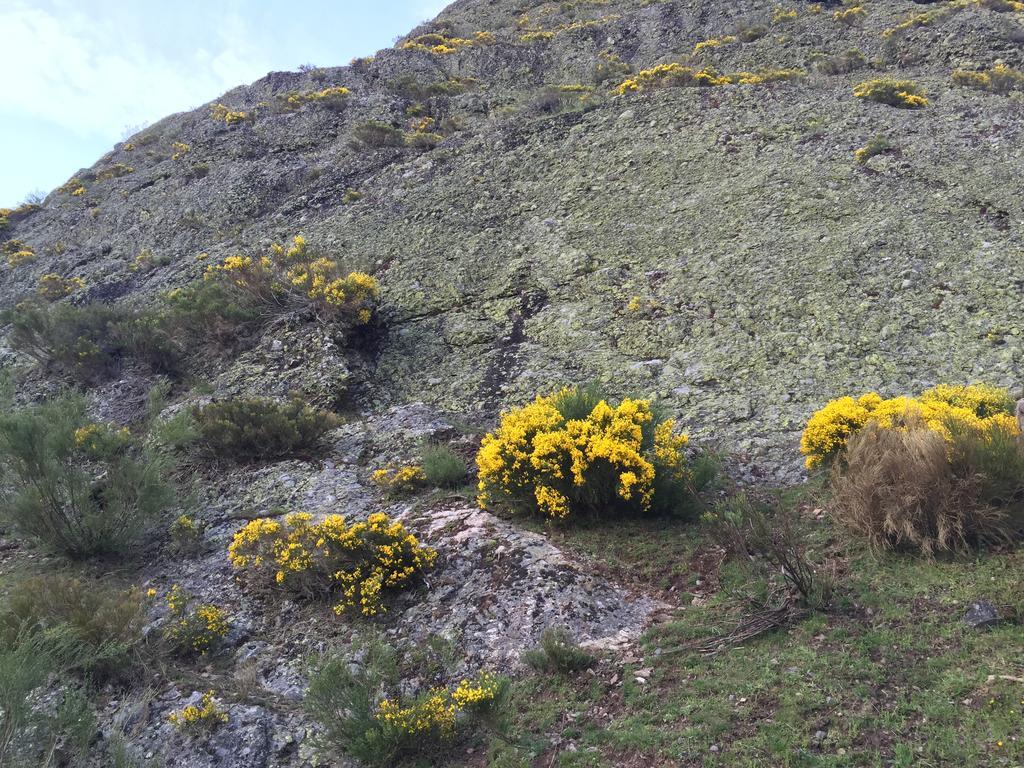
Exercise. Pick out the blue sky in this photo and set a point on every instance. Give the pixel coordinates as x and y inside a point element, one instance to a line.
<point>79,73</point>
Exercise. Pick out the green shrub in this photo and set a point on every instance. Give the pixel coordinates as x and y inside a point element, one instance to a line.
<point>848,61</point>
<point>81,488</point>
<point>442,466</point>
<point>103,625</point>
<point>255,429</point>
<point>207,313</point>
<point>29,659</point>
<point>355,697</point>
<point>375,134</point>
<point>94,342</point>
<point>557,653</point>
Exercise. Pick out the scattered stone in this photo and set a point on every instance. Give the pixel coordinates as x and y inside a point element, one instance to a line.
<point>981,614</point>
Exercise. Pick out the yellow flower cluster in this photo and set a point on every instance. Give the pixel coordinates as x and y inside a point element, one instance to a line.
<point>400,480</point>
<point>444,45</point>
<point>17,252</point>
<point>116,171</point>
<point>294,272</point>
<point>538,459</point>
<point>977,406</point>
<point>851,15</point>
<point>781,15</point>
<point>101,439</point>
<point>676,74</point>
<point>905,94</point>
<point>180,149</point>
<point>228,116</point>
<point>481,690</point>
<point>197,631</point>
<point>999,79</point>
<point>713,42</point>
<point>53,287</point>
<point>534,35</point>
<point>72,187</point>
<point>356,562</point>
<point>205,718</point>
<point>331,95</point>
<point>436,711</point>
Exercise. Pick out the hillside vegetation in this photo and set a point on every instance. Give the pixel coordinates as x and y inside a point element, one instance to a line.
<point>584,383</point>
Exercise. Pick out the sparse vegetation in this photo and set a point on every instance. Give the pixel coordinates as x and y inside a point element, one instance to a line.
<point>375,134</point>
<point>92,342</point>
<point>101,626</point>
<point>877,145</point>
<point>848,61</point>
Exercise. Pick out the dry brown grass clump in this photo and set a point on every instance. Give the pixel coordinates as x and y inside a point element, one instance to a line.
<point>900,490</point>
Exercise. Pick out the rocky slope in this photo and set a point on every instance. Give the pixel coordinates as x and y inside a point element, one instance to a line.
<point>718,248</point>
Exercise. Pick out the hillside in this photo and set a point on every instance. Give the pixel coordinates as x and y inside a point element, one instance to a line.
<point>541,206</point>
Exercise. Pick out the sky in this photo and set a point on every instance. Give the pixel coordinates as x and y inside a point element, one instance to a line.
<point>81,75</point>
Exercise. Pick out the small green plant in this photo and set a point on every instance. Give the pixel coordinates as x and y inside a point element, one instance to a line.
<point>848,61</point>
<point>904,94</point>
<point>200,719</point>
<point>80,487</point>
<point>187,535</point>
<point>558,653</point>
<point>877,145</point>
<point>442,466</point>
<point>256,429</point>
<point>194,631</point>
<point>769,541</point>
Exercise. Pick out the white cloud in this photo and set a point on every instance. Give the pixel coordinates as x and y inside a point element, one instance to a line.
<point>95,77</point>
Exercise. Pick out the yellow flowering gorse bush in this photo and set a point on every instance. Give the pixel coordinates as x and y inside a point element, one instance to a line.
<point>17,252</point>
<point>999,79</point>
<point>196,631</point>
<point>199,720</point>
<point>443,45</point>
<point>53,287</point>
<point>905,94</point>
<point>291,274</point>
<point>436,712</point>
<point>330,96</point>
<point>977,406</point>
<point>400,480</point>
<point>675,74</point>
<point>556,466</point>
<point>228,116</point>
<point>356,563</point>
